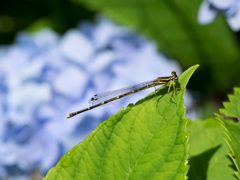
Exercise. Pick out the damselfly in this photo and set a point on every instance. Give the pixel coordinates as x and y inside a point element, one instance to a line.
<point>106,97</point>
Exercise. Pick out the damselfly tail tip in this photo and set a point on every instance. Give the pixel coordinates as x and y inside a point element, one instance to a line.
<point>68,116</point>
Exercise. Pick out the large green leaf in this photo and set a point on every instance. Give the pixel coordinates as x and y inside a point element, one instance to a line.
<point>144,141</point>
<point>208,152</point>
<point>173,25</point>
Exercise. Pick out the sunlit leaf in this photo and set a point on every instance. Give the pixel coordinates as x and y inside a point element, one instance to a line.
<point>147,140</point>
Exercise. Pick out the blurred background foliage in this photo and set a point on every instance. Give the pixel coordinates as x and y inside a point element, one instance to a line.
<point>171,24</point>
<point>33,15</point>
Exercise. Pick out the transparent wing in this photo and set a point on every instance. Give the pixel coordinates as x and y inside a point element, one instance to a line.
<point>101,97</point>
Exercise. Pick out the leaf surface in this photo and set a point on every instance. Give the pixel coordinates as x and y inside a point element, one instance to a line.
<point>144,141</point>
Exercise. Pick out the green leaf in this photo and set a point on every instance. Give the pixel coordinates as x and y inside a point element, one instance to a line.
<point>232,131</point>
<point>232,108</point>
<point>144,141</point>
<point>208,151</point>
<point>173,25</point>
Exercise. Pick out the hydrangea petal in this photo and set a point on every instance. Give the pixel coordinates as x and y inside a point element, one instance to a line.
<point>70,87</point>
<point>234,21</point>
<point>76,47</point>
<point>205,14</point>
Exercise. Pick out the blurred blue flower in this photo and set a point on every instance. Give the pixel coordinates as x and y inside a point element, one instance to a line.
<point>209,9</point>
<point>43,77</point>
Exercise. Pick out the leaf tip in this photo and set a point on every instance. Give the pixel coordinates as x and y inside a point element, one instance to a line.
<point>186,75</point>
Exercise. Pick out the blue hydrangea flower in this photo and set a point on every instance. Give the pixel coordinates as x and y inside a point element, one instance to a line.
<point>43,77</point>
<point>209,9</point>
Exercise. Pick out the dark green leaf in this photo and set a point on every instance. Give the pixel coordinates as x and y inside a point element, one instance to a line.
<point>208,152</point>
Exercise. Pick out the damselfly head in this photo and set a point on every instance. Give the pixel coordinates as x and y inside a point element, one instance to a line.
<point>174,73</point>
<point>175,76</point>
